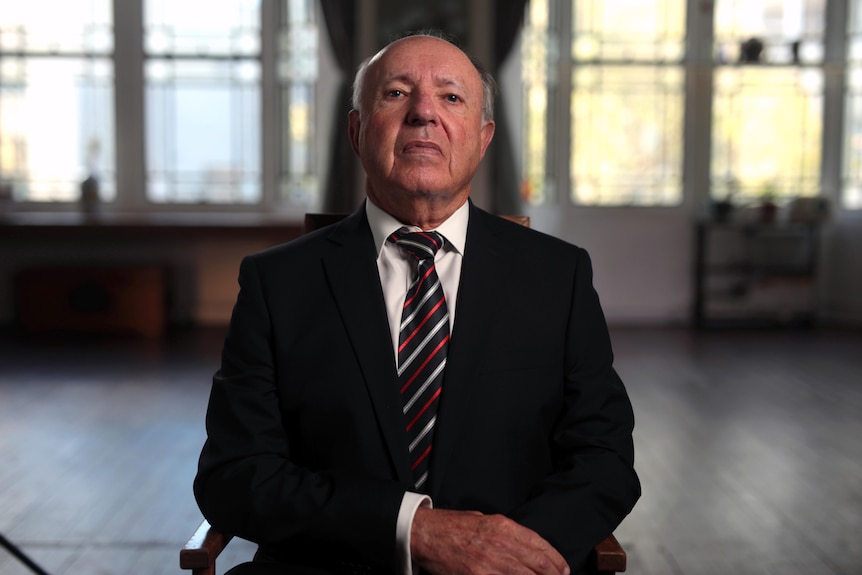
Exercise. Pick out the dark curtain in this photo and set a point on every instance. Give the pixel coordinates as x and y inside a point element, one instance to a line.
<point>505,184</point>
<point>339,196</point>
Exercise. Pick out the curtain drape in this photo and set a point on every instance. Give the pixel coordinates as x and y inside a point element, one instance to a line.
<point>339,194</point>
<point>505,186</point>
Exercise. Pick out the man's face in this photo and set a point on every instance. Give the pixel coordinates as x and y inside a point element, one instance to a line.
<point>420,133</point>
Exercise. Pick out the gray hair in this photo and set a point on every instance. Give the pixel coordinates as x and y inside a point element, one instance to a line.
<point>489,85</point>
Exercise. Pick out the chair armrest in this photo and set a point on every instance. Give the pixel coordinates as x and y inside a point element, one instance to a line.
<point>608,556</point>
<point>202,549</point>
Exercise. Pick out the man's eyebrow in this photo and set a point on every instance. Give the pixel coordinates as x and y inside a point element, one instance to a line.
<point>452,83</point>
<point>398,78</point>
<point>440,81</point>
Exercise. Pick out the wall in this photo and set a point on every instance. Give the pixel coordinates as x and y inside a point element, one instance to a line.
<point>641,258</point>
<point>643,261</point>
<point>841,270</point>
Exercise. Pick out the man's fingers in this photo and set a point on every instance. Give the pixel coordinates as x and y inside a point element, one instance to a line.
<point>540,555</point>
<point>457,542</point>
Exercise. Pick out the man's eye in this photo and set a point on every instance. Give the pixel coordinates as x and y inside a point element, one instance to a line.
<point>453,98</point>
<point>394,93</point>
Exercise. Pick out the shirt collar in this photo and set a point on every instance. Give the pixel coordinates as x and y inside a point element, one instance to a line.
<point>454,229</point>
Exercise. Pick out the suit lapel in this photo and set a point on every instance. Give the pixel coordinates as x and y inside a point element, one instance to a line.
<point>484,267</point>
<point>353,263</point>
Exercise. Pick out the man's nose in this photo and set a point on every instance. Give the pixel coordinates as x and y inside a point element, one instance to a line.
<point>422,110</point>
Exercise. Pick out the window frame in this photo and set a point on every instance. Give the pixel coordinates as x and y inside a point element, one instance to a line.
<point>699,64</point>
<point>558,188</point>
<point>129,61</point>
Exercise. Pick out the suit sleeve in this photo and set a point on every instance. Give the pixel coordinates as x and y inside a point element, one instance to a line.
<point>593,485</point>
<point>247,485</point>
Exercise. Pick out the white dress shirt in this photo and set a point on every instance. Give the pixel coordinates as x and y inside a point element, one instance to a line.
<point>396,273</point>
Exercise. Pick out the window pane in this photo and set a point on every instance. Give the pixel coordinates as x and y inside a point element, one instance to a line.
<point>767,120</point>
<point>537,46</point>
<point>56,98</point>
<point>56,127</point>
<point>631,30</point>
<point>624,115</point>
<point>852,193</point>
<point>202,27</point>
<point>83,26</point>
<point>772,31</point>
<point>203,97</point>
<point>203,131</point>
<point>766,131</point>
<point>627,115</point>
<point>627,135</point>
<point>854,33</point>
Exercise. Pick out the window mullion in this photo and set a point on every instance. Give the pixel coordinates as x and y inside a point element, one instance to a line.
<point>834,85</point>
<point>698,104</point>
<point>270,118</point>
<point>129,104</point>
<point>560,109</point>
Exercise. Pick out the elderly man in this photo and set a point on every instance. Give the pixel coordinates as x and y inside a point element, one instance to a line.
<point>422,386</point>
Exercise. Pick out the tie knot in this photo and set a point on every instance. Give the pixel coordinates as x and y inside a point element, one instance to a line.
<point>421,245</point>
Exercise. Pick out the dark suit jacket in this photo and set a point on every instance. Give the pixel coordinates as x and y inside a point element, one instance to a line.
<point>306,451</point>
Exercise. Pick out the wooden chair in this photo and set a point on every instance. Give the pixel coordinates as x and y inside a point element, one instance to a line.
<point>203,548</point>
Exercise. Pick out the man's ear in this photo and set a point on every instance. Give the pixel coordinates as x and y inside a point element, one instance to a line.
<point>353,130</point>
<point>487,134</point>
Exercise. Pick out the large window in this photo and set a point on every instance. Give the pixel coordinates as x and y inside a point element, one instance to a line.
<point>649,102</point>
<point>226,91</point>
<point>56,99</point>
<point>623,60</point>
<point>767,121</point>
<point>203,101</point>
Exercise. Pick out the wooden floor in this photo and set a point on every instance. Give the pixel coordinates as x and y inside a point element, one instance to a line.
<point>749,447</point>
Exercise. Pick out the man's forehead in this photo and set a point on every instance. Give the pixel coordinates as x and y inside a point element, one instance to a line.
<point>415,45</point>
<point>437,60</point>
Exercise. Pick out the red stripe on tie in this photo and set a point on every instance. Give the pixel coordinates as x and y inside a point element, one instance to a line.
<point>424,363</point>
<point>418,327</point>
<point>432,238</point>
<point>421,457</point>
<point>424,408</point>
<point>421,281</point>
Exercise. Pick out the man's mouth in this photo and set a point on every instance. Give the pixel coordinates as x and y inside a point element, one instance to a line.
<point>421,147</point>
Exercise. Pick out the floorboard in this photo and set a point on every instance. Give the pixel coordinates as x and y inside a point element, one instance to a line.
<point>749,447</point>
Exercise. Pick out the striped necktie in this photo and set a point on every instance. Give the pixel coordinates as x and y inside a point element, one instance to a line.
<point>422,341</point>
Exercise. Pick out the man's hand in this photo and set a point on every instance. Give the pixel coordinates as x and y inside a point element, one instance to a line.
<point>468,542</point>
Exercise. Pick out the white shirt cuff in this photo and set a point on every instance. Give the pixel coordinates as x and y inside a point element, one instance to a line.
<point>409,504</point>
